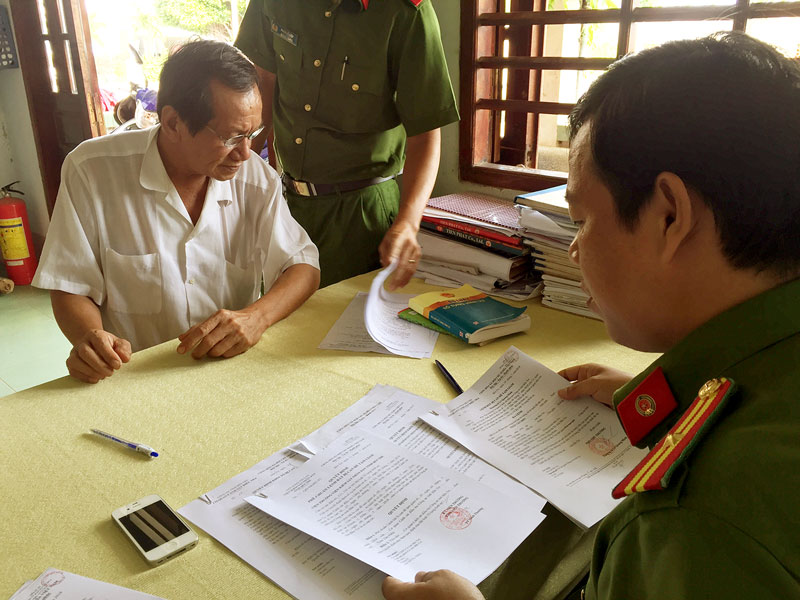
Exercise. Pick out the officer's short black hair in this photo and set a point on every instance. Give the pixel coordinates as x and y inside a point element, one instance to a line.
<point>185,82</point>
<point>722,113</point>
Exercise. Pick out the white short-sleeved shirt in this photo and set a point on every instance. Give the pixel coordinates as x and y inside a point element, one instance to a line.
<point>121,235</point>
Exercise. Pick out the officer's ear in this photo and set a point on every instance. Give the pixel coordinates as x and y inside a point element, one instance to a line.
<point>673,213</point>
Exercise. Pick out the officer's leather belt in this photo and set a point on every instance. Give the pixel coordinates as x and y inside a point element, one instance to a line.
<point>304,188</point>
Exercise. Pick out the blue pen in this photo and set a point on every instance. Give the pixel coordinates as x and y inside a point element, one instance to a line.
<point>132,445</point>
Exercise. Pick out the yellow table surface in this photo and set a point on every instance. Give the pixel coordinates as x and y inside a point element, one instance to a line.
<point>210,420</point>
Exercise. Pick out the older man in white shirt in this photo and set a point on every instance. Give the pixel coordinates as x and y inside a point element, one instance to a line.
<point>169,232</point>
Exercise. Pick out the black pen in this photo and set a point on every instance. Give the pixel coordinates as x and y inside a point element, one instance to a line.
<point>453,383</point>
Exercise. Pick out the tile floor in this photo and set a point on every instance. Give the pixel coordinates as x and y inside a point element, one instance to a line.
<point>32,347</point>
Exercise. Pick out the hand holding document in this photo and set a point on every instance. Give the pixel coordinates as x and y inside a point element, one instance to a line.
<point>54,583</point>
<point>377,328</point>
<point>572,452</point>
<point>399,511</point>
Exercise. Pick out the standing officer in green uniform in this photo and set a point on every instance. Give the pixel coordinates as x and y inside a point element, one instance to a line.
<point>684,183</point>
<point>358,91</point>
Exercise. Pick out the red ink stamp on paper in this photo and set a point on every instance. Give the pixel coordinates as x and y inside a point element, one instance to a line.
<point>455,517</point>
<point>600,445</point>
<point>53,578</point>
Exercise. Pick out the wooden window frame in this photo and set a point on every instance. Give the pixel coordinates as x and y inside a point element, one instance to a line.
<point>481,66</point>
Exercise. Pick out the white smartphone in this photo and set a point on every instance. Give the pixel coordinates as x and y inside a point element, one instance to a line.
<point>155,529</point>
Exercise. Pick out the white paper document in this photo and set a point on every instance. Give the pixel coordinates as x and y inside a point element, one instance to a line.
<point>572,452</point>
<point>370,324</point>
<point>349,332</point>
<point>55,584</point>
<point>390,331</point>
<point>392,414</point>
<point>399,511</point>
<point>302,565</point>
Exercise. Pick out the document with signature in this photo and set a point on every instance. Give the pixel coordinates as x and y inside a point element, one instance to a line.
<point>399,511</point>
<point>572,452</point>
<point>299,563</point>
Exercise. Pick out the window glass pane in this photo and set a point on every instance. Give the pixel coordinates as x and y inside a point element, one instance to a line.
<point>566,86</point>
<point>553,150</point>
<point>781,33</point>
<point>582,4</point>
<point>42,16</point>
<point>70,68</point>
<point>51,69</point>
<point>585,40</point>
<point>648,35</point>
<point>687,3</point>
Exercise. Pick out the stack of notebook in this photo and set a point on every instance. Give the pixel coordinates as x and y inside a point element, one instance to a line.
<point>548,229</point>
<point>475,240</point>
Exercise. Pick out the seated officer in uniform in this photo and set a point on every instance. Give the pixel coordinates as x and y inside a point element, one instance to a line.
<point>684,181</point>
<point>357,91</point>
<point>169,232</point>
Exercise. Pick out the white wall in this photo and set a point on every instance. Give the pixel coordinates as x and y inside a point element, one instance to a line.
<point>18,158</point>
<point>449,13</point>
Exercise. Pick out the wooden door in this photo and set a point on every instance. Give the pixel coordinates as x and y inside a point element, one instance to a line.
<point>55,56</point>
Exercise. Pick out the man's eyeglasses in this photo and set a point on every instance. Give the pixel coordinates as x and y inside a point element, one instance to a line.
<point>234,141</point>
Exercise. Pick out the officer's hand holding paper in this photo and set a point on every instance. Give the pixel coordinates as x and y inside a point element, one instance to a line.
<point>375,327</point>
<point>572,452</point>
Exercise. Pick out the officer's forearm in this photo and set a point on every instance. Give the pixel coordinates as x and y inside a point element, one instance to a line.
<point>419,175</point>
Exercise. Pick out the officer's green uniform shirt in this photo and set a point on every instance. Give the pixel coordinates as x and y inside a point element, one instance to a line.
<point>351,84</point>
<point>728,524</point>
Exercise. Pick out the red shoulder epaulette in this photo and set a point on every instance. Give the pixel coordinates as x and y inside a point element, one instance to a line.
<point>656,469</point>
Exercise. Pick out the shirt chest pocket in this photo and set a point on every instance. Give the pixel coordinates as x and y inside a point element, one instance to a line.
<point>358,98</point>
<point>289,61</point>
<point>133,283</point>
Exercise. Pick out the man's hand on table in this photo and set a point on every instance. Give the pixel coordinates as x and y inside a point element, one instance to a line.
<point>226,333</point>
<point>433,585</point>
<point>598,381</point>
<point>400,243</point>
<point>97,355</point>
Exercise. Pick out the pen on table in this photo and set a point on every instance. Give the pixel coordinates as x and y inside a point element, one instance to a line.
<point>132,445</point>
<point>453,383</point>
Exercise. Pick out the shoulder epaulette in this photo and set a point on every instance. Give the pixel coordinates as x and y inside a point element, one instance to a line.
<point>656,469</point>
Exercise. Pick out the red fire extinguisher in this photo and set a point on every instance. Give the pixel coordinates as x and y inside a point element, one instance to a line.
<point>16,244</point>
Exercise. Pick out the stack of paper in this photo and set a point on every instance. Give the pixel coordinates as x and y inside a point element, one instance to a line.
<point>474,239</point>
<point>547,228</point>
<point>373,491</point>
<point>398,484</point>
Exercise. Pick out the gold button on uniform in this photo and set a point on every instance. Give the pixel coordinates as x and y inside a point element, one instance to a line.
<point>283,58</point>
<point>298,141</point>
<point>307,108</point>
<point>317,62</point>
<point>355,87</point>
<point>328,13</point>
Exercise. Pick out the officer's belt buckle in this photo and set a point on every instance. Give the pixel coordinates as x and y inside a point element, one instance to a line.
<point>303,188</point>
